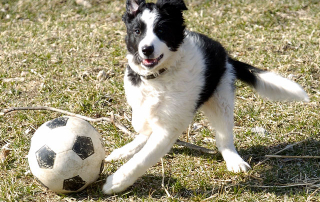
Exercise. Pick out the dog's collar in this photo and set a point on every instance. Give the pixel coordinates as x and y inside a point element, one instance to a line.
<point>154,75</point>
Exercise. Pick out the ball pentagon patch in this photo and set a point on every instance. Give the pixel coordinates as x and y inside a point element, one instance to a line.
<point>73,184</point>
<point>58,122</point>
<point>45,157</point>
<point>83,146</point>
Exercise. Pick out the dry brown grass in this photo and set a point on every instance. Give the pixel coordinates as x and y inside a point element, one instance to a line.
<point>58,48</point>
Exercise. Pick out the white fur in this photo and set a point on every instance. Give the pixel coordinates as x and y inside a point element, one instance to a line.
<point>275,87</point>
<point>219,111</point>
<point>149,18</point>
<point>127,151</point>
<point>162,108</point>
<point>161,112</point>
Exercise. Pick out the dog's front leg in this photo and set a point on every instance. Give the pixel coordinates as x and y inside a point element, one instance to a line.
<point>141,125</point>
<point>158,144</point>
<point>128,150</point>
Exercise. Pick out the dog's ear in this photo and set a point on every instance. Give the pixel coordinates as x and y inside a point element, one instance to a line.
<point>133,6</point>
<point>172,4</point>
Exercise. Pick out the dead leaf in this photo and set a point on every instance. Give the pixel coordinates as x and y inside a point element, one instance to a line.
<point>5,151</point>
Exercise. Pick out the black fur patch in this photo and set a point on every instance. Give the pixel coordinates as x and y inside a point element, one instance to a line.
<point>134,78</point>
<point>170,26</point>
<point>133,38</point>
<point>215,59</point>
<point>245,72</point>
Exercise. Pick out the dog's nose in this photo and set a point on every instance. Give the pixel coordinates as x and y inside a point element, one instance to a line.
<point>147,50</point>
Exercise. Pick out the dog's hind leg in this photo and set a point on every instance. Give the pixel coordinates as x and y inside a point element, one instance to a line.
<point>128,150</point>
<point>219,111</point>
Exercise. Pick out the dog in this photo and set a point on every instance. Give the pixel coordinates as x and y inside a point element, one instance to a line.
<point>172,73</point>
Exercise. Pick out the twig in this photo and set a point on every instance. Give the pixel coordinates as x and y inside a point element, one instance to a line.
<point>292,157</point>
<point>162,183</point>
<point>287,147</point>
<point>311,195</point>
<point>188,132</point>
<point>210,198</point>
<point>279,186</point>
<point>107,119</point>
<point>309,184</point>
<point>195,147</point>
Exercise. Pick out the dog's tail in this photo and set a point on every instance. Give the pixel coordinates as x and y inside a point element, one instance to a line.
<point>269,84</point>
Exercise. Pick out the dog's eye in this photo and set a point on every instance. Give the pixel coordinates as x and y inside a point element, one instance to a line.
<point>160,31</point>
<point>137,31</point>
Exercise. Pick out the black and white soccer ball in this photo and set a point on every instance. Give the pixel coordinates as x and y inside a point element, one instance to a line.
<point>66,154</point>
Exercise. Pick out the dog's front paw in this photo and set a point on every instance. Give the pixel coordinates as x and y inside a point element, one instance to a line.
<point>115,184</point>
<point>238,165</point>
<point>110,187</point>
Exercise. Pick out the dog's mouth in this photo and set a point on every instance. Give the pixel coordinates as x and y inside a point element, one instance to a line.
<point>152,62</point>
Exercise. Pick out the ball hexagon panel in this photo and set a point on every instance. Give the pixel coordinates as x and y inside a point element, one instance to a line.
<point>81,127</point>
<point>68,164</point>
<point>83,146</point>
<point>58,122</point>
<point>87,173</point>
<point>61,139</point>
<point>73,184</point>
<point>40,137</point>
<point>45,157</point>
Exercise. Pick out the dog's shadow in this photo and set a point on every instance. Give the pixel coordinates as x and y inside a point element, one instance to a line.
<point>279,176</point>
<point>270,176</point>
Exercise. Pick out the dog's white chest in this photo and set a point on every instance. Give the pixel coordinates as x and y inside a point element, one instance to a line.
<point>145,101</point>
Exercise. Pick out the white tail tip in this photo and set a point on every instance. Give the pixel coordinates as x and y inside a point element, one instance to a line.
<point>275,87</point>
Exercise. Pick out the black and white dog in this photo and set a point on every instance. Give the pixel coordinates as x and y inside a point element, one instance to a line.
<point>172,73</point>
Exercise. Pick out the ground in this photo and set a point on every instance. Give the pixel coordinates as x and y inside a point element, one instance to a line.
<point>51,53</point>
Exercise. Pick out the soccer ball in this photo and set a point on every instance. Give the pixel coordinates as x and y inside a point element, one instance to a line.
<point>66,154</point>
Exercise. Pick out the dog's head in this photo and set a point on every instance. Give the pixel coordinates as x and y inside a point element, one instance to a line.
<point>154,31</point>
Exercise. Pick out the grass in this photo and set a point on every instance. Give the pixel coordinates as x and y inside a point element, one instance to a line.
<point>58,47</point>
